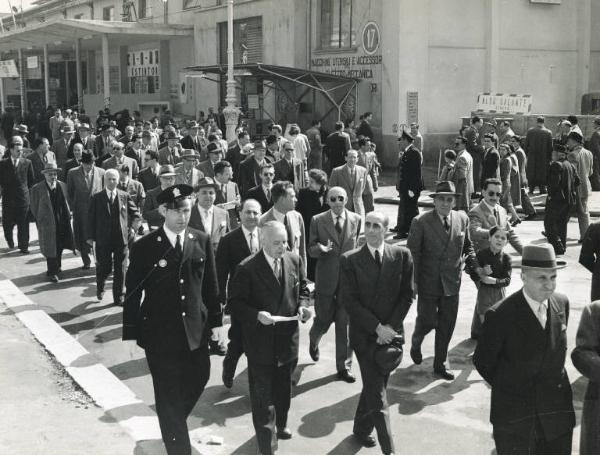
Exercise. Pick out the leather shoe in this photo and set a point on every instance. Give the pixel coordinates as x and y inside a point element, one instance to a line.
<point>284,433</point>
<point>54,278</point>
<point>346,376</point>
<point>395,229</point>
<point>24,251</point>
<point>99,295</point>
<point>401,236</point>
<point>86,267</point>
<point>444,374</point>
<point>119,300</point>
<point>314,352</point>
<point>416,356</point>
<point>216,349</point>
<point>365,441</point>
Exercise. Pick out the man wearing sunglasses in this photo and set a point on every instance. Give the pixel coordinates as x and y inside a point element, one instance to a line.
<point>332,233</point>
<point>485,215</point>
<point>262,192</point>
<point>119,159</point>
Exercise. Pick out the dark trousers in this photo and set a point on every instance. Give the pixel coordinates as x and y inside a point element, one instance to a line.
<point>372,411</point>
<point>439,313</point>
<point>368,202</point>
<point>526,204</point>
<point>106,257</point>
<point>85,250</point>
<point>510,440</point>
<point>411,209</point>
<point>400,217</point>
<point>235,347</point>
<point>54,264</point>
<point>179,378</point>
<point>329,310</point>
<point>270,396</point>
<point>12,216</point>
<point>556,220</point>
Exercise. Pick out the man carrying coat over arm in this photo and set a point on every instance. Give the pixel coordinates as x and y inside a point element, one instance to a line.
<point>174,267</point>
<point>266,287</point>
<point>376,287</point>
<point>521,354</point>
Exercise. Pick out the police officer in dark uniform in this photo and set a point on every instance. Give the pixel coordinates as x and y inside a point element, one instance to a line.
<point>174,266</point>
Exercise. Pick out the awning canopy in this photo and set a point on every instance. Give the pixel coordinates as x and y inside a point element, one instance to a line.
<point>338,89</point>
<point>60,33</point>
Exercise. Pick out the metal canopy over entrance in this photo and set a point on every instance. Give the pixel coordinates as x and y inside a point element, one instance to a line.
<point>338,91</point>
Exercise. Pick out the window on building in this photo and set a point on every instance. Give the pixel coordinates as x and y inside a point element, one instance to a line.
<point>144,10</point>
<point>108,13</point>
<point>190,3</point>
<point>335,25</point>
<point>78,16</point>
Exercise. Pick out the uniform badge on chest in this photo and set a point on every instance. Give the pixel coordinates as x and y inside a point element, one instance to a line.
<point>162,263</point>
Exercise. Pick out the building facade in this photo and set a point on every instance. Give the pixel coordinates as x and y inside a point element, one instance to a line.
<point>415,60</point>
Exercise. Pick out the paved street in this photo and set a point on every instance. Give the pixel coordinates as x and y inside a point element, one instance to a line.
<point>428,416</point>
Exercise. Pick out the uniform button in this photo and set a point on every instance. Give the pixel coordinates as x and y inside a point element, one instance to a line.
<point>183,314</point>
<point>183,297</point>
<point>181,281</point>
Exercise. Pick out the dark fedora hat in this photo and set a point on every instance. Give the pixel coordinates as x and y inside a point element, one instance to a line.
<point>387,357</point>
<point>540,257</point>
<point>206,182</point>
<point>445,188</point>
<point>87,157</point>
<point>51,167</point>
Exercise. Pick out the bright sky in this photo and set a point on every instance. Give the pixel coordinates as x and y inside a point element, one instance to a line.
<point>5,8</point>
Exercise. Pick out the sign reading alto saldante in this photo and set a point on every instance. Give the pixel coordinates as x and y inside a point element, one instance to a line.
<point>8,68</point>
<point>504,103</point>
<point>143,63</point>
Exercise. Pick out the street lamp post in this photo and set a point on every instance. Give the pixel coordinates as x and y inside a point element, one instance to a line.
<point>231,111</point>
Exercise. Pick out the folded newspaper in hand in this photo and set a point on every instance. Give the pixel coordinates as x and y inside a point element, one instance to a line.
<point>286,318</point>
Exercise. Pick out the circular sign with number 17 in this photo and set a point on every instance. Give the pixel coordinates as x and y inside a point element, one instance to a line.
<point>370,38</point>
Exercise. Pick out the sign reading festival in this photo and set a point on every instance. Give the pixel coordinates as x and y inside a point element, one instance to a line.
<point>365,66</point>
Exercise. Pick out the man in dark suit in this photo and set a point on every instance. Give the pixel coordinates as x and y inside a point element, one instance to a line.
<point>250,168</point>
<point>61,146</point>
<point>83,136</point>
<point>148,176</point>
<point>73,162</point>
<point>82,183</point>
<point>136,150</point>
<point>170,153</point>
<point>234,247</point>
<point>562,198</point>
<point>376,287</point>
<point>111,214</point>
<point>215,154</point>
<point>268,287</point>
<point>103,142</point>
<point>151,212</point>
<point>134,188</point>
<point>193,140</point>
<point>173,264</point>
<point>332,233</point>
<point>490,166</point>
<point>235,154</point>
<point>290,168</point>
<point>336,146</point>
<point>410,183</point>
<point>439,242</point>
<point>521,354</point>
<point>16,178</point>
<point>39,156</point>
<point>262,192</point>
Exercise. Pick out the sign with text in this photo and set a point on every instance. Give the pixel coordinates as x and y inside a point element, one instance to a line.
<point>412,107</point>
<point>357,66</point>
<point>8,68</point>
<point>143,63</point>
<point>371,38</point>
<point>504,103</point>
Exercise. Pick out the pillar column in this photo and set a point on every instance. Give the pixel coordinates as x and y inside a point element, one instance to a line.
<point>67,84</point>
<point>106,70</point>
<point>46,77</point>
<point>78,73</point>
<point>584,37</point>
<point>22,87</point>
<point>492,44</point>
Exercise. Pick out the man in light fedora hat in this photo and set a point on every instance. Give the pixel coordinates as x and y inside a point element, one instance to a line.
<point>187,172</point>
<point>440,244</point>
<point>521,354</point>
<point>50,208</point>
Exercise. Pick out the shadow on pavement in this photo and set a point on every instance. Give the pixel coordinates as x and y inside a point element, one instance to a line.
<point>134,368</point>
<point>347,446</point>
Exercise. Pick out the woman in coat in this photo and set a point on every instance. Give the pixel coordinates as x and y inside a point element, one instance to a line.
<point>511,181</point>
<point>312,201</point>
<point>586,358</point>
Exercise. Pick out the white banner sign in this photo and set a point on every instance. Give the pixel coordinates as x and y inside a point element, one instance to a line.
<point>143,63</point>
<point>504,103</point>
<point>8,68</point>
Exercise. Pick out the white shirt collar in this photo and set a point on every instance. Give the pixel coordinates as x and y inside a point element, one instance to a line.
<point>270,260</point>
<point>172,236</point>
<point>108,192</point>
<point>247,232</point>
<point>341,215</point>
<point>492,208</point>
<point>380,249</point>
<point>278,215</point>
<point>203,211</point>
<point>534,304</point>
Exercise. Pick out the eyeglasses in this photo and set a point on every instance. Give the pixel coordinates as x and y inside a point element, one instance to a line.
<point>493,193</point>
<point>268,174</point>
<point>336,198</point>
<point>289,150</point>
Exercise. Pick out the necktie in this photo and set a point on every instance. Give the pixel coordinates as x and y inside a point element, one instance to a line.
<point>268,195</point>
<point>542,314</point>
<point>178,248</point>
<point>253,248</point>
<point>378,258</point>
<point>277,269</point>
<point>496,216</point>
<point>338,225</point>
<point>290,243</point>
<point>446,224</point>
<point>112,197</point>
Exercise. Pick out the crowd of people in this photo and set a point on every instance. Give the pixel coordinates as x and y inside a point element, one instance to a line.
<point>179,215</point>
